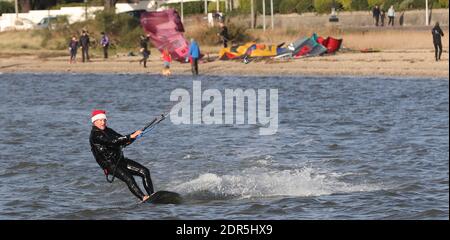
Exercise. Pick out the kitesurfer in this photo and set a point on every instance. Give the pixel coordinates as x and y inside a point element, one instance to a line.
<point>106,146</point>
<point>437,42</point>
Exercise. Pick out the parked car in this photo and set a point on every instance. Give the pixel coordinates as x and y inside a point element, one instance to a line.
<point>19,24</point>
<point>47,22</point>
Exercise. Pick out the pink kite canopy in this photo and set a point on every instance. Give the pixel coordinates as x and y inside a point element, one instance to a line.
<point>166,30</point>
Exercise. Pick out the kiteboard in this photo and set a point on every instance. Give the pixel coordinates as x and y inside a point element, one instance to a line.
<point>165,197</point>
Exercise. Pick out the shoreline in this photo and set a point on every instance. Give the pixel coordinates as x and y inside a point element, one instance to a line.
<point>362,77</point>
<point>391,63</point>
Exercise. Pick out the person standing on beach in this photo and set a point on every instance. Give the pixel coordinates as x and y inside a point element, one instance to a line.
<point>167,59</point>
<point>144,50</point>
<point>376,14</point>
<point>382,17</point>
<point>391,15</point>
<point>84,41</point>
<point>437,42</point>
<point>194,55</point>
<point>224,34</point>
<point>105,44</point>
<point>107,145</point>
<point>73,48</point>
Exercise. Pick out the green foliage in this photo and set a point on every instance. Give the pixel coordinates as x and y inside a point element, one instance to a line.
<point>420,3</point>
<point>405,5</point>
<point>288,6</point>
<point>346,4</point>
<point>123,29</point>
<point>416,4</point>
<point>323,6</point>
<point>304,6</point>
<point>372,3</point>
<point>359,5</point>
<point>116,24</point>
<point>6,7</point>
<point>212,6</point>
<point>244,6</point>
<point>208,35</point>
<point>46,36</point>
<point>276,5</point>
<point>189,8</point>
<point>130,38</point>
<point>387,4</point>
<point>238,33</point>
<point>104,20</point>
<point>443,3</point>
<point>296,6</point>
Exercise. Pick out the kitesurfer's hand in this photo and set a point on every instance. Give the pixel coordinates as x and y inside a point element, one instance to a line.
<point>135,134</point>
<point>145,198</point>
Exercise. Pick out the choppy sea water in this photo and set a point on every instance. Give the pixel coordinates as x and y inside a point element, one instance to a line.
<point>346,148</point>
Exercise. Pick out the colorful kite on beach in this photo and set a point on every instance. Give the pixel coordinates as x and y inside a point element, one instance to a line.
<point>302,47</point>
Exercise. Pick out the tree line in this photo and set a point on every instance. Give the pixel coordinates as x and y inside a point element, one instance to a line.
<point>280,6</point>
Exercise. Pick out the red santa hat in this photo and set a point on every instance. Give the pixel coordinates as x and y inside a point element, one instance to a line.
<point>98,114</point>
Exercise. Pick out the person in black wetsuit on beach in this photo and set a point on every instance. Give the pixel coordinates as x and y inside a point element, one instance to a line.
<point>224,34</point>
<point>106,145</point>
<point>144,50</point>
<point>437,42</point>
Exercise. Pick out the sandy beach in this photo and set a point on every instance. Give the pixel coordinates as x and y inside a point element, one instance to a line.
<point>402,52</point>
<point>415,62</point>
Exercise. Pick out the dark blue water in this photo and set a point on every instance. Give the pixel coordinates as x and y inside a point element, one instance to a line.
<point>346,148</point>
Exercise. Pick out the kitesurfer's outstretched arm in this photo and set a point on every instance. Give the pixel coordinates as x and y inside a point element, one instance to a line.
<point>118,140</point>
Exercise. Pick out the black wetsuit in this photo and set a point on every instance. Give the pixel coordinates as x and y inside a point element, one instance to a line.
<point>84,40</point>
<point>224,35</point>
<point>437,34</point>
<point>145,51</point>
<point>106,145</point>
